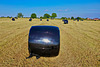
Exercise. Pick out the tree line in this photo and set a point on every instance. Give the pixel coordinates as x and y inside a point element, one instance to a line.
<point>54,15</point>
<point>33,15</point>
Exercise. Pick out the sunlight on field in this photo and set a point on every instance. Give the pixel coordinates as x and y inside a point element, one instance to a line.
<point>79,47</point>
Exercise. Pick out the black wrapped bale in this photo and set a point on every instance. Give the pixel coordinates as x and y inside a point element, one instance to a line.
<point>65,21</point>
<point>81,20</point>
<point>13,19</point>
<point>40,19</point>
<point>77,19</point>
<point>47,19</point>
<point>30,19</point>
<point>44,41</point>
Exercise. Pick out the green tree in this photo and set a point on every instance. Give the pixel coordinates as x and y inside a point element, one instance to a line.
<point>41,17</point>
<point>46,15</point>
<point>54,15</point>
<point>33,15</point>
<point>72,18</point>
<point>79,18</point>
<point>20,15</point>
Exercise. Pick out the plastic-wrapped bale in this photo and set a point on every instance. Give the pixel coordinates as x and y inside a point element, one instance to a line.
<point>30,19</point>
<point>65,21</point>
<point>81,20</point>
<point>40,19</point>
<point>77,19</point>
<point>44,41</point>
<point>47,19</point>
<point>13,19</point>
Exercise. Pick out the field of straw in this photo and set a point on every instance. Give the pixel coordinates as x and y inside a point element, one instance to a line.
<point>79,44</point>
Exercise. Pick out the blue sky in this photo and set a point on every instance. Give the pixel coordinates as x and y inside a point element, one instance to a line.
<point>63,8</point>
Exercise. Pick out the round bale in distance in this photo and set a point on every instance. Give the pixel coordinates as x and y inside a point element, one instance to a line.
<point>30,19</point>
<point>13,19</point>
<point>47,19</point>
<point>40,19</point>
<point>44,41</point>
<point>65,21</point>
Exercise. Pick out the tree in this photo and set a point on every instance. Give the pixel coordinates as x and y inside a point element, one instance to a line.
<point>78,18</point>
<point>33,15</point>
<point>46,15</point>
<point>63,18</point>
<point>20,15</point>
<point>54,15</point>
<point>41,17</point>
<point>72,18</point>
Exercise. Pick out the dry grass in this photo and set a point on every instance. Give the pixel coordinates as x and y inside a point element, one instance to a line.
<point>79,47</point>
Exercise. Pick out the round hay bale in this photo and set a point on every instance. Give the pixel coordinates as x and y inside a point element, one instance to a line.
<point>65,21</point>
<point>47,19</point>
<point>40,19</point>
<point>44,41</point>
<point>13,19</point>
<point>77,19</point>
<point>30,19</point>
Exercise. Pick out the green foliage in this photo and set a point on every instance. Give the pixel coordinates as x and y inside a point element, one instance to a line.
<point>33,15</point>
<point>63,17</point>
<point>20,15</point>
<point>72,18</point>
<point>54,15</point>
<point>46,15</point>
<point>41,17</point>
<point>79,18</point>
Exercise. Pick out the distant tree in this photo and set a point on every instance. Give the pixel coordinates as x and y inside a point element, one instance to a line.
<point>72,18</point>
<point>7,16</point>
<point>63,17</point>
<point>46,15</point>
<point>78,18</point>
<point>33,15</point>
<point>20,15</point>
<point>41,17</point>
<point>54,15</point>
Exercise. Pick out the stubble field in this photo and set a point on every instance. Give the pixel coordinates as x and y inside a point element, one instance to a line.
<point>79,44</point>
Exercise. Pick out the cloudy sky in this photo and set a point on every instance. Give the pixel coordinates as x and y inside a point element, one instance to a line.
<point>63,8</point>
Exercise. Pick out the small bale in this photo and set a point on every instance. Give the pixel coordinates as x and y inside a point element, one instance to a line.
<point>13,19</point>
<point>47,19</point>
<point>77,19</point>
<point>65,21</point>
<point>81,20</point>
<point>30,19</point>
<point>40,19</point>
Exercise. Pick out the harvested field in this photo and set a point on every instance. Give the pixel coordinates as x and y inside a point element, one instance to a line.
<point>79,44</point>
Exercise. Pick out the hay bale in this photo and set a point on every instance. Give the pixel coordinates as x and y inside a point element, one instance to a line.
<point>30,19</point>
<point>13,19</point>
<point>81,20</point>
<point>47,19</point>
<point>65,21</point>
<point>41,42</point>
<point>77,19</point>
<point>74,20</point>
<point>40,19</point>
